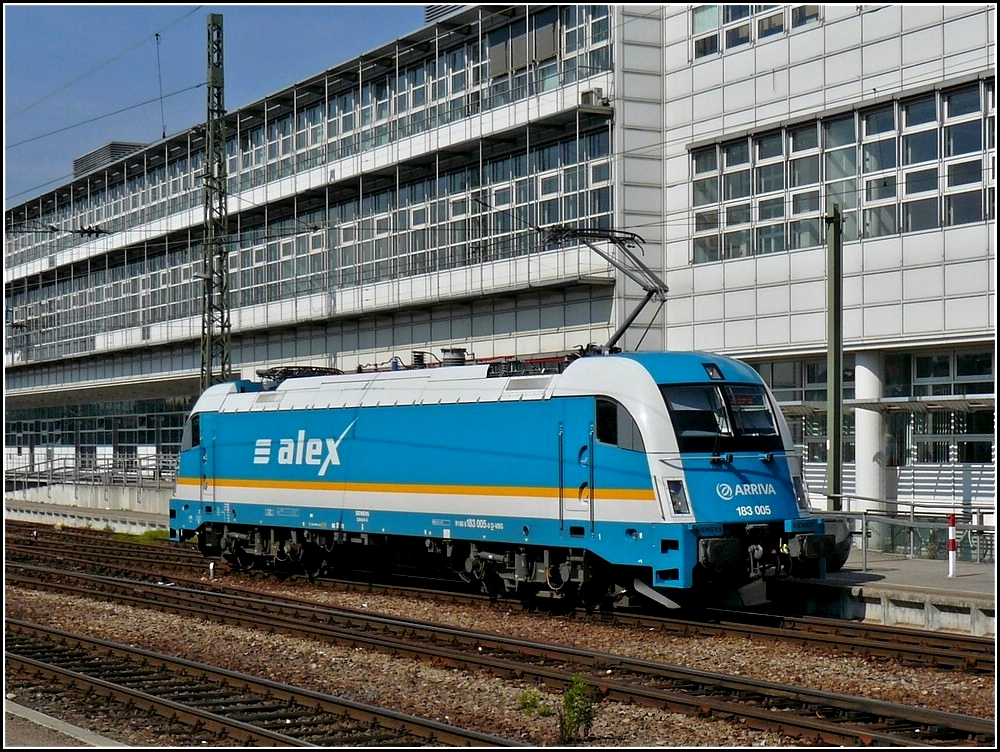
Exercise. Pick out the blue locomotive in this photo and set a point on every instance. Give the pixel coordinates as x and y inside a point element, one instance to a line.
<point>666,474</point>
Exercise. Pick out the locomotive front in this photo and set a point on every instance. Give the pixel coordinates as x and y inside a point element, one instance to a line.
<point>739,511</point>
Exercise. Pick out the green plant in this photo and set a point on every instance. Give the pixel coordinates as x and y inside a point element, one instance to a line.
<point>148,536</point>
<point>933,549</point>
<point>578,711</point>
<point>531,703</point>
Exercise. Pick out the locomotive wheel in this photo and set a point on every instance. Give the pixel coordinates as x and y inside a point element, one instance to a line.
<point>491,583</point>
<point>597,596</point>
<point>244,562</point>
<point>313,563</point>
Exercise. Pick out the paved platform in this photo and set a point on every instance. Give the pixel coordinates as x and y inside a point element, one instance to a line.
<point>899,591</point>
<point>120,520</point>
<point>24,727</point>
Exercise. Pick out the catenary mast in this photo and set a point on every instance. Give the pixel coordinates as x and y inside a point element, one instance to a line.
<point>215,365</point>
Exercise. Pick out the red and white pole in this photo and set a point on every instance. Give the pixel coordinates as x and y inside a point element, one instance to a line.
<point>952,550</point>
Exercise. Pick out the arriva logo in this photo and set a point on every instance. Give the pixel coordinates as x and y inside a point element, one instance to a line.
<point>727,491</point>
<point>301,451</point>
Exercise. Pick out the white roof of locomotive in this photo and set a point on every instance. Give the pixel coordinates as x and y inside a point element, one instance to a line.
<point>444,385</point>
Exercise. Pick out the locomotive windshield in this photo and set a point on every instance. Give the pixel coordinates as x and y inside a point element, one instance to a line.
<point>722,418</point>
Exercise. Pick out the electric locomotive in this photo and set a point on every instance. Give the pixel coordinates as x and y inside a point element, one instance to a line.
<point>670,475</point>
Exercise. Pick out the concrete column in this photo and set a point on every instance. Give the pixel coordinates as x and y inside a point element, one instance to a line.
<point>869,442</point>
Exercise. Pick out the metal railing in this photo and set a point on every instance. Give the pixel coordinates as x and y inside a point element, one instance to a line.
<point>918,528</point>
<point>152,471</point>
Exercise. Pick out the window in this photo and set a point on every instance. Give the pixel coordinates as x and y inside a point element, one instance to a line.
<point>732,13</point>
<point>706,221</point>
<point>842,163</point>
<point>802,139</point>
<point>843,192</point>
<point>920,147</point>
<point>737,153</point>
<point>805,202</point>
<point>737,214</point>
<point>880,188</point>
<point>839,132</point>
<point>770,239</point>
<point>920,215</point>
<point>706,249</point>
<point>706,46</point>
<point>804,14</point>
<point>769,146</point>
<point>963,208</point>
<point>880,221</point>
<point>772,208</point>
<point>920,111</point>
<point>737,35</point>
<point>615,426</point>
<point>709,418</point>
<point>706,191</point>
<point>962,102</point>
<point>736,184</point>
<point>963,173</point>
<point>974,373</point>
<point>737,244</point>
<point>879,155</point>
<point>963,138</point>
<point>705,18</point>
<point>771,25</point>
<point>771,177</point>
<point>803,171</point>
<point>890,173</point>
<point>705,161</point>
<point>804,233</point>
<point>920,181</point>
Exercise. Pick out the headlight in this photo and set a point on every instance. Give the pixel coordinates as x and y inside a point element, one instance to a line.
<point>678,498</point>
<point>801,493</point>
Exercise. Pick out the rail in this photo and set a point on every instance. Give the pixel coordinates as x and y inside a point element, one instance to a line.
<point>917,528</point>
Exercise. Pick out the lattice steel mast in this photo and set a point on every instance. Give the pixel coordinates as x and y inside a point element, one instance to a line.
<point>215,366</point>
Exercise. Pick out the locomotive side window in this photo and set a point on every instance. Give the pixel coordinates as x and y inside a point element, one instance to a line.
<point>617,427</point>
<point>192,432</point>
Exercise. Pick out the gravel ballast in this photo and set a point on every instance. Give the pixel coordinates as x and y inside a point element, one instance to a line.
<point>473,700</point>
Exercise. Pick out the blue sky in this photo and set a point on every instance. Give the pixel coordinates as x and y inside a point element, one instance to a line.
<point>68,68</point>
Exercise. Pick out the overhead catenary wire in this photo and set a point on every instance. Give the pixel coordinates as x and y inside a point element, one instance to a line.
<point>17,113</point>
<point>101,117</point>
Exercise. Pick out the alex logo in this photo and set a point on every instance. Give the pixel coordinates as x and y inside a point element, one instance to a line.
<point>728,491</point>
<point>301,451</point>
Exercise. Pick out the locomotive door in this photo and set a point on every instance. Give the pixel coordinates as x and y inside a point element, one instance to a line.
<point>576,464</point>
<point>207,469</point>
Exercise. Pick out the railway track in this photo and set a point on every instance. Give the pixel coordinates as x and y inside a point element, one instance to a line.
<point>802,713</point>
<point>247,710</point>
<point>91,550</point>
